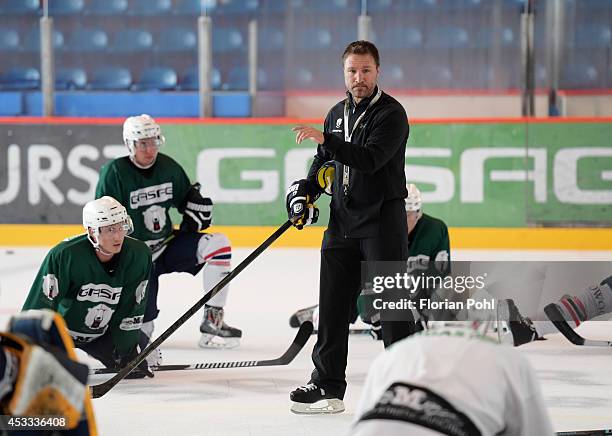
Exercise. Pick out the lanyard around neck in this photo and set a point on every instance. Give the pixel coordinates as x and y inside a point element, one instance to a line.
<point>348,133</point>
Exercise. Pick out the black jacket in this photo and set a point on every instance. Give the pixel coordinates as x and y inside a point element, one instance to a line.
<point>373,200</point>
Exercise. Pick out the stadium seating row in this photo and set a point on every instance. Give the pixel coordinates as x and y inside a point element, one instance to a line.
<point>160,78</point>
<point>195,7</point>
<point>231,39</point>
<point>163,78</point>
<point>124,41</point>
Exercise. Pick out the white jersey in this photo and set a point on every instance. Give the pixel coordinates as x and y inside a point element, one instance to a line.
<point>450,381</point>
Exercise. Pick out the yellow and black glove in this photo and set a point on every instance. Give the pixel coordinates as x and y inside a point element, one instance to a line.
<point>325,177</point>
<point>300,199</point>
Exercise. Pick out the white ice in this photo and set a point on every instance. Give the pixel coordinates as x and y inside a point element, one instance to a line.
<point>576,381</point>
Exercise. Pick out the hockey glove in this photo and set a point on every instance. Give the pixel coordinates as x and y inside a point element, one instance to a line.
<point>325,176</point>
<point>197,215</point>
<point>141,371</point>
<point>300,199</point>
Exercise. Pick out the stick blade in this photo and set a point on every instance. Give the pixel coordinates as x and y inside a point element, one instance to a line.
<point>98,390</point>
<point>296,346</point>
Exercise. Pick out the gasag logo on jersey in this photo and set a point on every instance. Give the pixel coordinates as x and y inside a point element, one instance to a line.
<point>99,293</point>
<point>151,195</point>
<point>50,286</point>
<point>131,323</point>
<point>98,316</point>
<point>141,291</point>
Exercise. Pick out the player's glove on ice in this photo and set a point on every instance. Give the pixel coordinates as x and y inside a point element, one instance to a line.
<point>141,371</point>
<point>300,199</point>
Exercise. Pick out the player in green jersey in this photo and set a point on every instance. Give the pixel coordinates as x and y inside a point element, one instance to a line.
<point>428,240</point>
<point>428,248</point>
<point>98,282</point>
<point>150,183</point>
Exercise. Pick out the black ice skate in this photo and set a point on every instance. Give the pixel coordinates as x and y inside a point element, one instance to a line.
<point>302,315</point>
<point>312,400</point>
<point>215,332</point>
<point>521,328</point>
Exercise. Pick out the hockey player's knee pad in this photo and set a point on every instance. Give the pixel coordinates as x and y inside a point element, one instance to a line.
<point>214,249</point>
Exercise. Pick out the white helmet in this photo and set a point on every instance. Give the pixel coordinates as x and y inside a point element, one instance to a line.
<point>104,211</point>
<point>414,202</point>
<point>140,127</point>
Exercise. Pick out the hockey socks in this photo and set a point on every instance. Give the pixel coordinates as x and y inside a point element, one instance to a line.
<point>593,302</point>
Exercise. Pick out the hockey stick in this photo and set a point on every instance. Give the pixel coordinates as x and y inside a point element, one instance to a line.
<point>602,432</point>
<point>351,331</point>
<point>99,390</point>
<point>556,317</point>
<point>296,346</point>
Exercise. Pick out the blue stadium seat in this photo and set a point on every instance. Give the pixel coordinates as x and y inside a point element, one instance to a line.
<point>447,37</point>
<point>107,7</point>
<point>177,40</point>
<point>9,40</point>
<point>32,40</point>
<point>418,5</point>
<point>191,82</point>
<point>313,38</point>
<point>401,37</point>
<point>485,37</point>
<point>20,78</point>
<point>376,6</point>
<point>514,5</point>
<point>268,7</point>
<point>111,78</point>
<point>87,40</point>
<point>132,41</point>
<point>70,78</point>
<point>580,75</point>
<point>160,78</point>
<point>227,39</point>
<point>270,39</point>
<point>393,76</point>
<point>593,36</point>
<point>436,77</point>
<point>335,6</point>
<point>303,78</point>
<point>455,5</point>
<point>150,7</point>
<point>65,7</point>
<point>20,7</point>
<point>238,79</point>
<point>194,7</point>
<point>236,7</point>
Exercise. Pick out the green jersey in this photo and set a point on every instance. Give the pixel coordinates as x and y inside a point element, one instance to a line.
<point>428,252</point>
<point>147,194</point>
<point>95,297</point>
<point>428,242</point>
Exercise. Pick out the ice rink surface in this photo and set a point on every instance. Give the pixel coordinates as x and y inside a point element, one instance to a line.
<point>576,381</point>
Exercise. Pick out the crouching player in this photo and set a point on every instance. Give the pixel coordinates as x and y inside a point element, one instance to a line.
<point>451,381</point>
<point>40,377</point>
<point>98,283</point>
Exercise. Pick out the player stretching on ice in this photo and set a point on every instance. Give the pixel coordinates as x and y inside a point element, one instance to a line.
<point>149,183</point>
<point>98,282</point>
<point>471,386</point>
<point>428,244</point>
<point>568,313</point>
